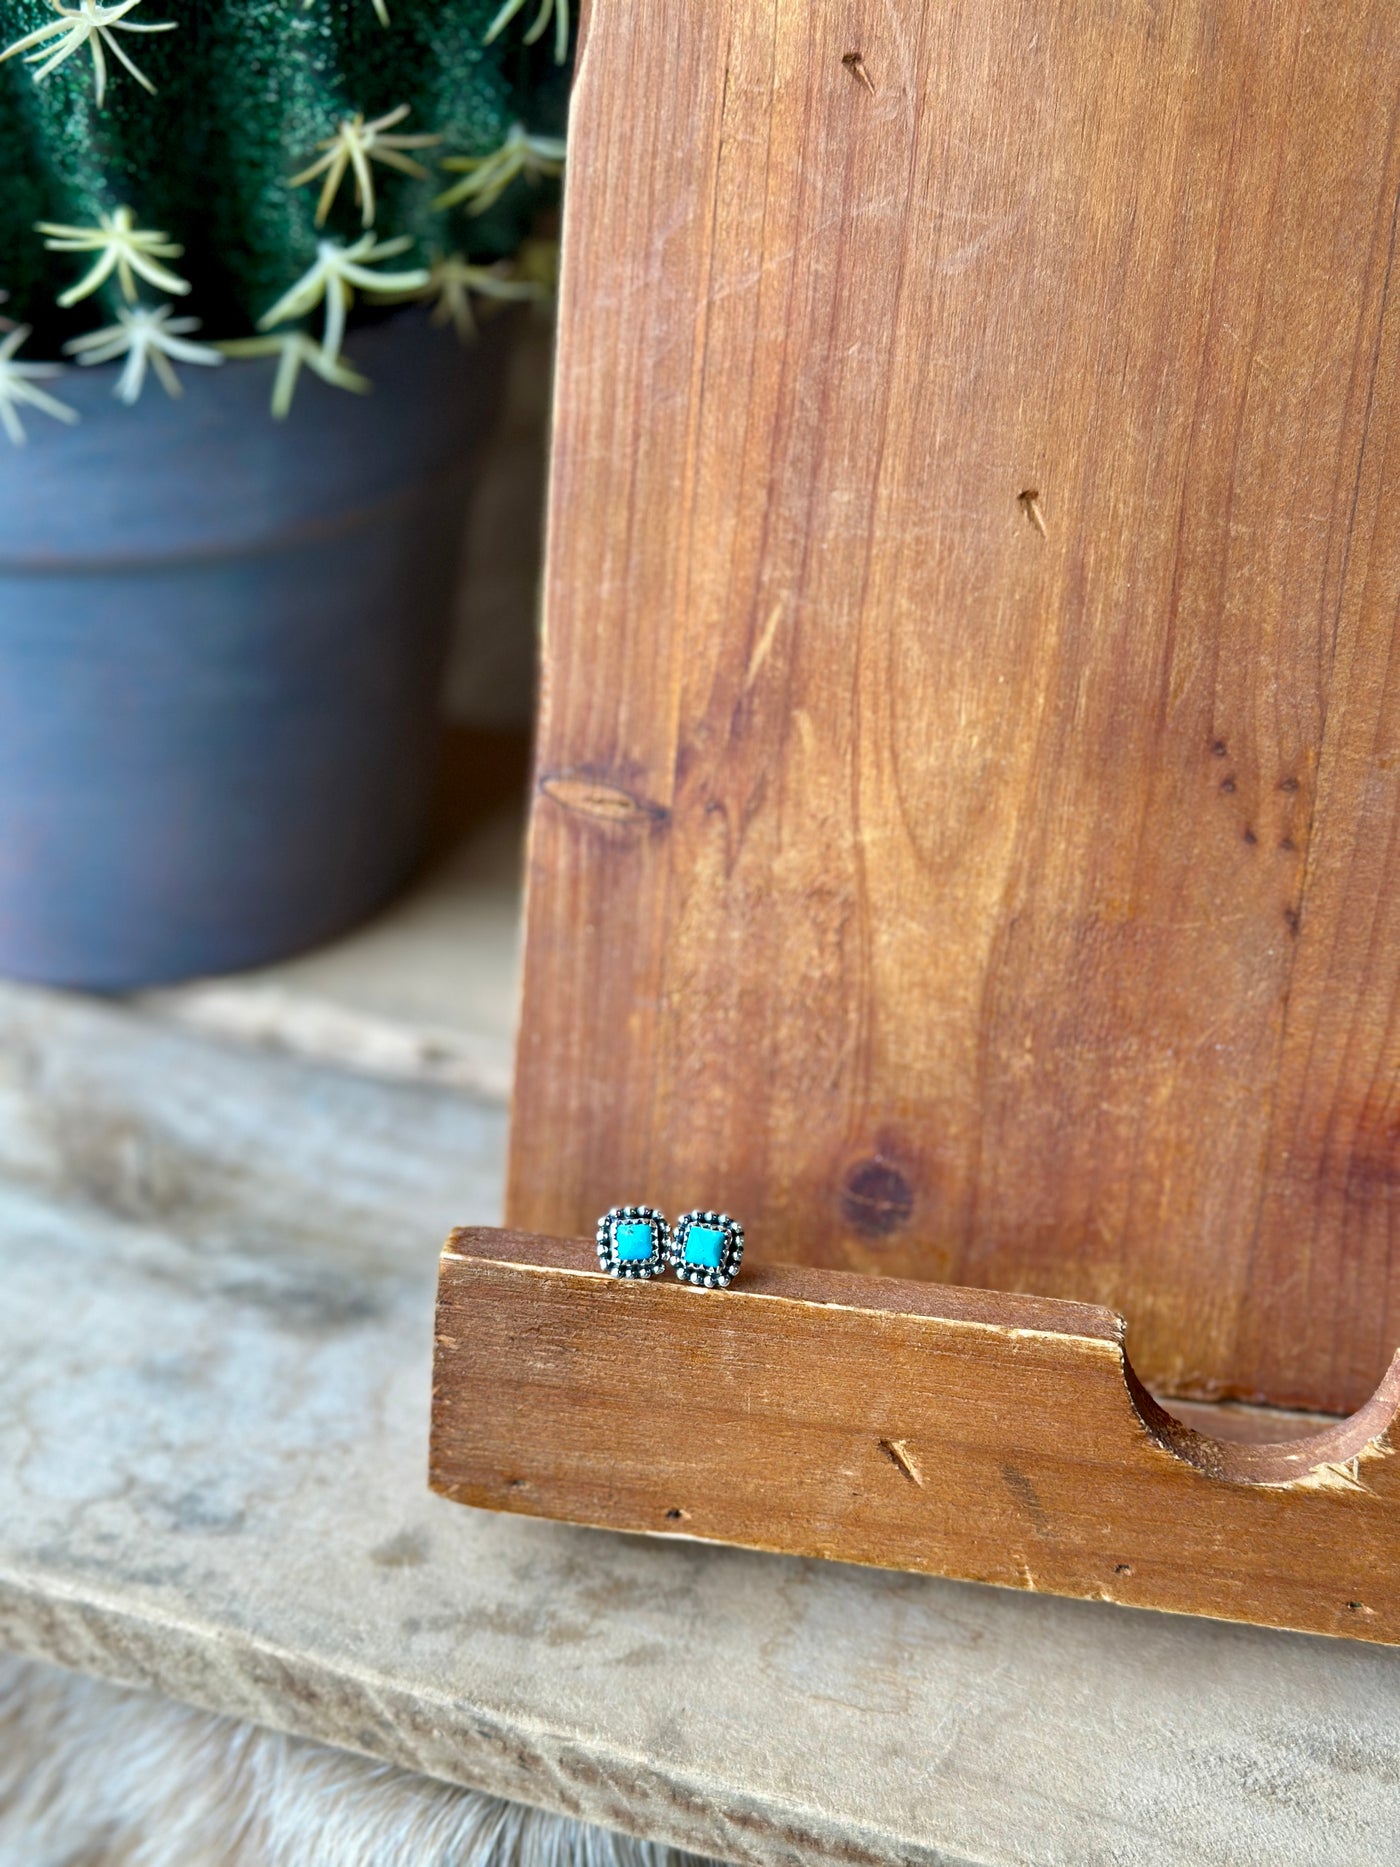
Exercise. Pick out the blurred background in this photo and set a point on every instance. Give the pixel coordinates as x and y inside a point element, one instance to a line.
<point>428,985</point>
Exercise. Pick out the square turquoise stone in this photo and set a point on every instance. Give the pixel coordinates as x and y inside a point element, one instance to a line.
<point>633,1240</point>
<point>704,1247</point>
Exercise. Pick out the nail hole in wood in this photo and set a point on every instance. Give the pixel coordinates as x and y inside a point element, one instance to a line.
<point>855,64</point>
<point>1029,502</point>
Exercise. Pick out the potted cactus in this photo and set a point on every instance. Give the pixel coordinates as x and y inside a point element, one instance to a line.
<point>243,246</point>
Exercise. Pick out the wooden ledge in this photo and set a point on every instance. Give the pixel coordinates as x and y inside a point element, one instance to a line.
<point>910,1426</point>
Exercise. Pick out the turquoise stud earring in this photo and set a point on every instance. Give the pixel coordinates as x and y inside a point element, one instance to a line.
<point>707,1248</point>
<point>633,1241</point>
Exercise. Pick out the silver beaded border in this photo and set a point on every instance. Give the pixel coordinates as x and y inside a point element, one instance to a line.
<point>731,1253</point>
<point>654,1266</point>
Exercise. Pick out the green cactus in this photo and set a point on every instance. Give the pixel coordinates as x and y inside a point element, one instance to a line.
<point>205,165</point>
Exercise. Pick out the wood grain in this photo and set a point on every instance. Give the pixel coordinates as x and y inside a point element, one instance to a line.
<point>965,1433</point>
<point>967,833</point>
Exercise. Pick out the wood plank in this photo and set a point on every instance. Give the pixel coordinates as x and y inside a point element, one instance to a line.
<point>955,883</point>
<point>215,1330</point>
<point>909,1426</point>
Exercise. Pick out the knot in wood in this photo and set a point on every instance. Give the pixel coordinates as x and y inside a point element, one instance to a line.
<point>876,1199</point>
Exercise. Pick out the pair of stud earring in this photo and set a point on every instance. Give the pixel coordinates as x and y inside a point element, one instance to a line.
<point>704,1248</point>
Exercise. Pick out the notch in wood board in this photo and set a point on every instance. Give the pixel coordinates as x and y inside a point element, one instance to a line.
<point>913,1426</point>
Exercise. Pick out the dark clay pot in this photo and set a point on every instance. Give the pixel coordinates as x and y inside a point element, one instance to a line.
<point>221,644</point>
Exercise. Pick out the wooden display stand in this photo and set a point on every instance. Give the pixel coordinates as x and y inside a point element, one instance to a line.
<point>967,834</point>
<point>914,1426</point>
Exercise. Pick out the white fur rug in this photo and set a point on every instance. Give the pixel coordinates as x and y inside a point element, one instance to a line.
<point>92,1775</point>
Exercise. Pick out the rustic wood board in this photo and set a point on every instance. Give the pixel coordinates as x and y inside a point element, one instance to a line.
<point>967,832</point>
<point>216,1275</point>
<point>912,1426</point>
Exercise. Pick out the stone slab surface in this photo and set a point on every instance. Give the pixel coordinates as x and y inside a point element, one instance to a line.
<point>216,1274</point>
